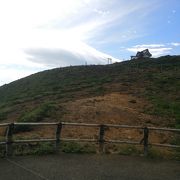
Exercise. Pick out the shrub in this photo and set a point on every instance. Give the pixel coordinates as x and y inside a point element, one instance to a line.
<point>44,148</point>
<point>36,115</point>
<point>39,113</point>
<point>128,150</point>
<point>154,154</point>
<point>73,147</point>
<point>34,149</point>
<point>3,115</point>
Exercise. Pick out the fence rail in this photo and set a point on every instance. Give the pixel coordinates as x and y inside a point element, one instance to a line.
<point>102,128</point>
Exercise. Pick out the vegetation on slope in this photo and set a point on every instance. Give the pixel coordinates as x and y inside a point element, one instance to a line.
<point>155,79</point>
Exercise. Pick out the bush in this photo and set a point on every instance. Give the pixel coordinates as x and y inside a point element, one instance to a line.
<point>154,154</point>
<point>34,149</point>
<point>39,113</point>
<point>3,115</point>
<point>73,147</point>
<point>36,115</point>
<point>22,128</point>
<point>128,150</point>
<point>49,148</point>
<point>45,148</point>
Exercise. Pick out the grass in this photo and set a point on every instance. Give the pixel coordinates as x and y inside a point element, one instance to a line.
<point>163,91</point>
<point>89,148</point>
<point>45,110</point>
<point>176,141</point>
<point>164,153</point>
<point>4,111</point>
<point>73,147</point>
<point>49,148</point>
<point>34,149</point>
<point>3,116</point>
<point>157,77</point>
<point>129,150</point>
<point>40,96</point>
<point>39,113</point>
<point>155,154</point>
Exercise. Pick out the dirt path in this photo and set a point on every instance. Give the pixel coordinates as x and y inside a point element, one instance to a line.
<point>87,167</point>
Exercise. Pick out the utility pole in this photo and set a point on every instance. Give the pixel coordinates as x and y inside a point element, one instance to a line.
<point>109,60</point>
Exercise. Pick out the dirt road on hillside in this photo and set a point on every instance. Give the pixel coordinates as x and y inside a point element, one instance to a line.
<point>87,167</point>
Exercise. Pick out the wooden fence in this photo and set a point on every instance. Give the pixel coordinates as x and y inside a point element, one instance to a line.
<point>101,140</point>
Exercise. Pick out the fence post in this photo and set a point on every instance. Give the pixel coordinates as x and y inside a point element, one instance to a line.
<point>145,140</point>
<point>9,139</point>
<point>101,138</point>
<point>58,134</point>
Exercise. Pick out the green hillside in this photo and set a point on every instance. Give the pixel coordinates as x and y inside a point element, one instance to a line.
<point>37,97</point>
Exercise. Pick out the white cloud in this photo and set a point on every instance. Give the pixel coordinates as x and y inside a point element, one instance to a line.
<point>175,44</point>
<point>149,46</point>
<point>155,49</point>
<point>63,29</point>
<point>9,74</point>
<point>160,51</point>
<point>64,56</point>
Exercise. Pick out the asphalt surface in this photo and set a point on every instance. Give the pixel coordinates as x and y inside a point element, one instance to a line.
<point>87,167</point>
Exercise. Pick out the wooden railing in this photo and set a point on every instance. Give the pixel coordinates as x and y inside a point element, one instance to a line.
<point>101,140</point>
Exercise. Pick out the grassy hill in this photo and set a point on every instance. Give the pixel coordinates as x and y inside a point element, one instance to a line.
<point>150,87</point>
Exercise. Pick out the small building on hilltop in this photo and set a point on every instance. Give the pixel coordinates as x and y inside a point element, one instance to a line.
<point>142,54</point>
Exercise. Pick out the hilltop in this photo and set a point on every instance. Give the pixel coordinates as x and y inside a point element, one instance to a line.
<point>144,91</point>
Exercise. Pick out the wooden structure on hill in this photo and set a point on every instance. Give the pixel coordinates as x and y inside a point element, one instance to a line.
<point>142,54</point>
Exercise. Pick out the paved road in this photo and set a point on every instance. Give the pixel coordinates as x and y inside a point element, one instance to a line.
<point>87,167</point>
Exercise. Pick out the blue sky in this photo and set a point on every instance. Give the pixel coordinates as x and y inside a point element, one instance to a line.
<point>42,34</point>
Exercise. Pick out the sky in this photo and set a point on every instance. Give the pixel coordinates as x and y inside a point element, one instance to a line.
<point>36,35</point>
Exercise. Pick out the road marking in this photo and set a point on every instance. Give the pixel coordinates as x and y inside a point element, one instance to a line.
<point>27,169</point>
